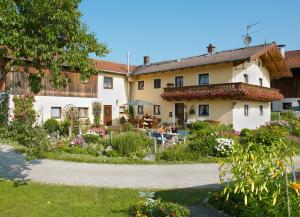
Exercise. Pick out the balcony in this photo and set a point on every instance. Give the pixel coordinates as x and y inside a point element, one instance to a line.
<point>234,91</point>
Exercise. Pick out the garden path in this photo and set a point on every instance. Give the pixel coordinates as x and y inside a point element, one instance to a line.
<point>13,165</point>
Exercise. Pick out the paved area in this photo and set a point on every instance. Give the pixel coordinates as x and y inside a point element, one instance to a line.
<point>13,165</point>
<point>204,211</point>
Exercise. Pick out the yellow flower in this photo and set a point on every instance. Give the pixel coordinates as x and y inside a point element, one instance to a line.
<point>296,187</point>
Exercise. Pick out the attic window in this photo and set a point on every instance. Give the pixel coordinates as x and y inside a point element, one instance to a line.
<point>258,63</point>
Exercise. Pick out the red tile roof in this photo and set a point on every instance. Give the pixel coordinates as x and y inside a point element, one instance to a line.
<point>218,57</point>
<point>113,67</point>
<point>293,58</point>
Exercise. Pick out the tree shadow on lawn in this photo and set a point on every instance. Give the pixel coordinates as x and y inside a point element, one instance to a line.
<point>13,165</point>
<point>188,196</point>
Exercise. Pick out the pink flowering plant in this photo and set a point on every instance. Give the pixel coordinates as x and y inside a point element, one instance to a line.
<point>78,141</point>
<point>97,130</point>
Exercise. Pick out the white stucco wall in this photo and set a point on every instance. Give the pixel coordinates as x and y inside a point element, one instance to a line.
<point>254,119</point>
<point>254,73</point>
<point>116,96</point>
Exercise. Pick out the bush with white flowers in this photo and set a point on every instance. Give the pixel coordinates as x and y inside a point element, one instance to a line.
<point>224,146</point>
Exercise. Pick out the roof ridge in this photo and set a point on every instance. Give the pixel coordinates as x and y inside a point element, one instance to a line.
<point>201,55</point>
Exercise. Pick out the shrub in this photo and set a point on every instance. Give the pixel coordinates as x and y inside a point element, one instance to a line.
<point>51,126</point>
<point>91,138</point>
<point>158,208</point>
<point>126,127</point>
<point>266,135</point>
<point>78,141</point>
<point>97,130</point>
<point>224,147</point>
<point>177,153</point>
<point>128,143</point>
<point>33,138</point>
<point>64,128</point>
<point>97,107</point>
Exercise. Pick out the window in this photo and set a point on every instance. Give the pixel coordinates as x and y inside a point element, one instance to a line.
<point>178,81</point>
<point>261,109</point>
<point>258,63</point>
<point>121,109</point>
<point>157,83</point>
<point>261,82</point>
<point>140,85</point>
<point>287,106</point>
<point>203,110</point>
<point>203,79</point>
<point>108,83</point>
<point>246,110</point>
<point>156,109</point>
<point>140,109</point>
<point>246,79</point>
<point>83,112</point>
<point>56,112</point>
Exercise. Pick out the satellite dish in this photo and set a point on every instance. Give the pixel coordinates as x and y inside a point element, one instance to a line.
<point>247,40</point>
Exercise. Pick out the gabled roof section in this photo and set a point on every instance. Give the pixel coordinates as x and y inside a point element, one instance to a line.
<point>293,59</point>
<point>237,55</point>
<point>112,67</point>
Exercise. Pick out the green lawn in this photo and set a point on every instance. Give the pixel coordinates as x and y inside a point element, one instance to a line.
<point>39,200</point>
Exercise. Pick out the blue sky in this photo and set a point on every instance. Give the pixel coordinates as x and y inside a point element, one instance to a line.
<point>170,29</point>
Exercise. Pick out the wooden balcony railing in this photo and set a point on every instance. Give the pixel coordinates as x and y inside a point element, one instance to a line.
<point>235,91</point>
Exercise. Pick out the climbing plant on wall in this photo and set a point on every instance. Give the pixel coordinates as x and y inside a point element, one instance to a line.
<point>97,108</point>
<point>4,108</point>
<point>23,110</point>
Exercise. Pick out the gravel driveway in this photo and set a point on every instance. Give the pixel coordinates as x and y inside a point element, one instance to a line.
<point>13,165</point>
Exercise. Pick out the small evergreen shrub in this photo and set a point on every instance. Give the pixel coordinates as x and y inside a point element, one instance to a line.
<point>51,126</point>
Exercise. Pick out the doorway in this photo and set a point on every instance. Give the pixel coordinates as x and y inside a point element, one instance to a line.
<point>107,115</point>
<point>179,114</point>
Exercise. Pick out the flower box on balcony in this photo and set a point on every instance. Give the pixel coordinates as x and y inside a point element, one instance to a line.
<point>235,91</point>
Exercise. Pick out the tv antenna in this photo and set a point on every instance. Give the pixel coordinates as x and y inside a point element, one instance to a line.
<point>247,38</point>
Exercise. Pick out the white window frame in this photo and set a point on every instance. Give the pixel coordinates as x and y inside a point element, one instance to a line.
<point>261,110</point>
<point>154,111</point>
<point>154,83</point>
<point>246,112</point>
<point>182,80</point>
<point>138,109</point>
<point>199,110</point>
<point>112,83</point>
<point>246,78</point>
<point>203,73</point>
<point>138,86</point>
<point>56,117</point>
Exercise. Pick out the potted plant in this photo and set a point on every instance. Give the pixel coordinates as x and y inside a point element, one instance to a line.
<point>170,84</point>
<point>192,110</point>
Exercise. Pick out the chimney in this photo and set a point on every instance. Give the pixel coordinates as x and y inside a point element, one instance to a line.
<point>211,49</point>
<point>281,48</point>
<point>146,60</point>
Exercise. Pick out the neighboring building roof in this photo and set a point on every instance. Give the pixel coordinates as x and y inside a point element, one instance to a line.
<point>112,67</point>
<point>241,54</point>
<point>293,58</point>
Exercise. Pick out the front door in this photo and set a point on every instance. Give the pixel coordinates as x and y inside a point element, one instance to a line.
<point>179,114</point>
<point>107,115</point>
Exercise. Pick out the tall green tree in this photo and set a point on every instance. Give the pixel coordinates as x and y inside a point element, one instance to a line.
<point>46,34</point>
